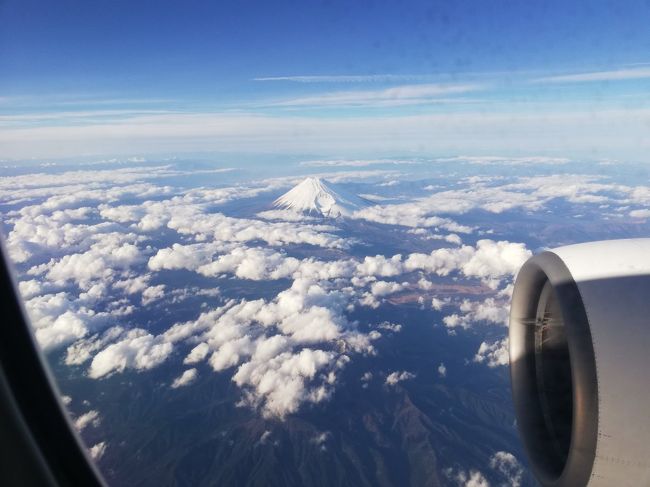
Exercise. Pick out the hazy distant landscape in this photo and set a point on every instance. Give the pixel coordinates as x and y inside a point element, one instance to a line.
<point>350,333</point>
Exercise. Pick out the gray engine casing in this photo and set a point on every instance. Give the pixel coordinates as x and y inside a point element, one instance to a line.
<point>580,363</point>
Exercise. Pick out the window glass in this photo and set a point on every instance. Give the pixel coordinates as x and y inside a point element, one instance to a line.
<point>274,243</point>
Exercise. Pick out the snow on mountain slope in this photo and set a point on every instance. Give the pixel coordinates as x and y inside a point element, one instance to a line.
<point>314,195</point>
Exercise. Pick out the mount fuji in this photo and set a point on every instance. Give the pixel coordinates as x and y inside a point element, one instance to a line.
<point>315,196</point>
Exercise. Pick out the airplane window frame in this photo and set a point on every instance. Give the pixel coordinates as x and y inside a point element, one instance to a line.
<point>38,443</point>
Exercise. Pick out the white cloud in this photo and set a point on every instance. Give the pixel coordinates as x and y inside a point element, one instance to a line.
<point>380,266</point>
<point>394,96</point>
<point>231,353</point>
<point>396,377</point>
<point>384,288</point>
<point>138,350</point>
<point>644,213</point>
<point>493,354</point>
<point>498,131</point>
<point>321,439</point>
<point>508,161</point>
<point>387,325</point>
<point>285,215</point>
<point>437,303</point>
<point>197,354</point>
<point>91,417</point>
<point>264,341</point>
<point>264,438</point>
<point>463,478</point>
<point>642,72</point>
<point>442,370</point>
<point>283,352</point>
<point>489,260</point>
<point>180,256</point>
<point>108,256</point>
<point>280,383</point>
<point>31,288</point>
<point>357,162</point>
<point>186,378</point>
<point>506,464</point>
<point>82,350</point>
<point>97,451</point>
<point>526,193</point>
<point>152,293</point>
<point>491,310</point>
<point>343,78</point>
<point>88,180</point>
<point>58,319</point>
<point>255,264</point>
<point>418,214</point>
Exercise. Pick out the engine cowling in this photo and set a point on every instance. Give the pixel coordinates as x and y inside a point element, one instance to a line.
<point>580,363</point>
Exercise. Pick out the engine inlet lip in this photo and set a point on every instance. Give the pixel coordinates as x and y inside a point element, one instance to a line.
<point>577,468</point>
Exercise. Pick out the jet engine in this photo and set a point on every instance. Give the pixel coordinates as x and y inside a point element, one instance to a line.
<point>580,363</point>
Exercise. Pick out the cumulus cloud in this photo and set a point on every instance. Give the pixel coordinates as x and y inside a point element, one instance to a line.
<point>508,161</point>
<point>284,352</point>
<point>91,417</point>
<point>255,264</point>
<point>489,260</point>
<point>197,354</point>
<point>152,293</point>
<point>106,258</point>
<point>281,382</point>
<point>246,263</point>
<point>59,319</point>
<point>387,325</point>
<point>442,370</point>
<point>186,378</point>
<point>137,349</point>
<point>321,439</point>
<point>495,196</point>
<point>409,215</point>
<point>493,354</point>
<point>191,218</point>
<point>380,266</point>
<point>437,303</point>
<point>97,451</point>
<point>491,310</point>
<point>180,256</point>
<point>507,465</point>
<point>643,213</point>
<point>356,162</point>
<point>93,255</point>
<point>264,438</point>
<point>396,377</point>
<point>473,478</point>
<point>383,288</point>
<point>285,215</point>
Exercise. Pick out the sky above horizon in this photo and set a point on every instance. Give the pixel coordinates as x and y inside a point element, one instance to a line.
<point>328,78</point>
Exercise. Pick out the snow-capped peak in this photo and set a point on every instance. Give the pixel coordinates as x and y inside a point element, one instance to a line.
<point>314,195</point>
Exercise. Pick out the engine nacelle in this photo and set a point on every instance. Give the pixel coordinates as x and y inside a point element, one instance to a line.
<point>580,363</point>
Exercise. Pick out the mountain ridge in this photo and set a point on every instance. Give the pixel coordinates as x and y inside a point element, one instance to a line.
<point>316,196</point>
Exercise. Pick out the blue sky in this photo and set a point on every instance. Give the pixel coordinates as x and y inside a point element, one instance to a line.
<point>339,78</point>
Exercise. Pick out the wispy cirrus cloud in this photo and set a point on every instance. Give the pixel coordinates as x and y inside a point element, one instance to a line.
<point>413,94</point>
<point>641,72</point>
<point>600,132</point>
<point>75,115</point>
<point>356,162</point>
<point>361,78</point>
